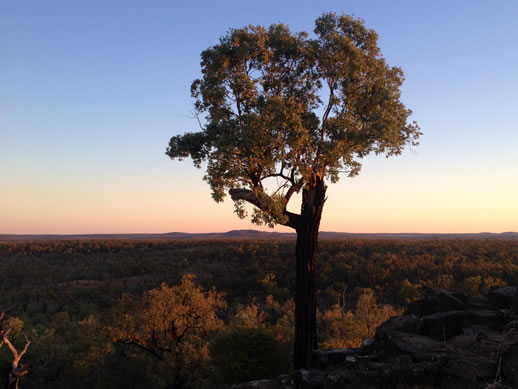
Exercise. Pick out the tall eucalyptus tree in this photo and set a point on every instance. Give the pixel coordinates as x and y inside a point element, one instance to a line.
<point>287,113</point>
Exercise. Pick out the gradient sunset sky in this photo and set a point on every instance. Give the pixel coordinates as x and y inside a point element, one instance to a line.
<point>92,90</point>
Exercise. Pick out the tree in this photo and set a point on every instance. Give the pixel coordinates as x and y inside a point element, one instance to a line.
<point>171,324</point>
<point>18,370</point>
<point>287,113</point>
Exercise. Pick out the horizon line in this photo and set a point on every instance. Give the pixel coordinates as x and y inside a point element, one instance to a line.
<point>250,230</point>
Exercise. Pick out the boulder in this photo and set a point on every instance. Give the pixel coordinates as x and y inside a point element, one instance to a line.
<point>503,297</point>
<point>435,300</point>
<point>477,302</point>
<point>512,325</point>
<point>487,317</point>
<point>510,365</point>
<point>407,323</point>
<point>420,348</point>
<point>443,325</point>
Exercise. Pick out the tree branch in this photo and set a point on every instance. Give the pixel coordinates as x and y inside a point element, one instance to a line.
<point>280,174</point>
<point>326,113</point>
<point>251,197</point>
<point>246,195</point>
<point>28,342</point>
<point>142,347</point>
<point>10,345</point>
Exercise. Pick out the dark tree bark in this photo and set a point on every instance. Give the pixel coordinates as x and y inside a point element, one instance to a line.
<point>313,199</point>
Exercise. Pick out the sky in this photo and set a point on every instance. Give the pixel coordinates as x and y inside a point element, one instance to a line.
<point>92,90</point>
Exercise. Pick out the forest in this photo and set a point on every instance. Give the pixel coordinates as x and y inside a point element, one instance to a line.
<point>205,313</point>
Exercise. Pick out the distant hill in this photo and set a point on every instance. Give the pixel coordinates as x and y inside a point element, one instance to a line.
<point>261,235</point>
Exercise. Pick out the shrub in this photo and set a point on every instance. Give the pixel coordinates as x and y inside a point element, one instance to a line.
<point>245,354</point>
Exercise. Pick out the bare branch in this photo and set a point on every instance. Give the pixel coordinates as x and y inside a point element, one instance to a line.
<point>280,174</point>
<point>28,342</point>
<point>10,346</point>
<point>142,347</point>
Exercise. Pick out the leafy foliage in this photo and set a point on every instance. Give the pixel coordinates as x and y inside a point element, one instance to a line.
<point>290,107</point>
<point>171,324</point>
<point>346,329</point>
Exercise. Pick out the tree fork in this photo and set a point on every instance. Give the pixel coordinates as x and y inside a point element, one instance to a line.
<point>313,199</point>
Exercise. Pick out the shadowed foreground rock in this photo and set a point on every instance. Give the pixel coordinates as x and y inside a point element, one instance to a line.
<point>445,340</point>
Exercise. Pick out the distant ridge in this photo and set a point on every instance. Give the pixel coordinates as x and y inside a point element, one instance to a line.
<point>260,235</point>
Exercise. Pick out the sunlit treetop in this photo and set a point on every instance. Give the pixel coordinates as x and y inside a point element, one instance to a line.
<point>279,111</point>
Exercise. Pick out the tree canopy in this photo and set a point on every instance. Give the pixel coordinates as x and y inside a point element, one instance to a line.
<point>284,109</point>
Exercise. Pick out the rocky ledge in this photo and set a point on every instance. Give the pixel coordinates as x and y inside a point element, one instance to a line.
<point>445,340</point>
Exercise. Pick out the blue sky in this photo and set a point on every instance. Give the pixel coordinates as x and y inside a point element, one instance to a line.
<point>91,92</point>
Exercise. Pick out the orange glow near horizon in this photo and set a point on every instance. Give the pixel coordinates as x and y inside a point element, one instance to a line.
<point>357,206</point>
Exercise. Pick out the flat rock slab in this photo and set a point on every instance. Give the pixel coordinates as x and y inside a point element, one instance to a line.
<point>282,382</point>
<point>420,348</point>
<point>326,358</point>
<point>420,375</point>
<point>487,317</point>
<point>471,367</point>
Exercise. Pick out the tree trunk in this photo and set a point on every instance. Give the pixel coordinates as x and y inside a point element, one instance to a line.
<point>313,198</point>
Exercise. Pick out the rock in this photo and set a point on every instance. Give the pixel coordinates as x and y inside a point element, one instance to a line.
<point>420,375</point>
<point>477,302</point>
<point>435,300</point>
<point>284,381</point>
<point>444,325</point>
<point>512,325</point>
<point>471,367</point>
<point>503,297</point>
<point>420,348</point>
<point>510,365</point>
<point>325,358</point>
<point>487,317</point>
<point>368,342</point>
<point>407,323</point>
<point>309,378</point>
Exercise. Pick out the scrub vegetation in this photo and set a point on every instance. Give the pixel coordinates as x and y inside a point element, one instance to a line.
<point>191,314</point>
